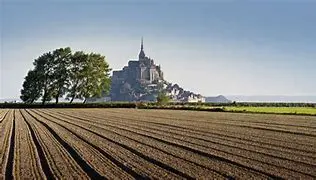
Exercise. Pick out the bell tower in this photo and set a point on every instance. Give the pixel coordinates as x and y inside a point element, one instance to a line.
<point>141,53</point>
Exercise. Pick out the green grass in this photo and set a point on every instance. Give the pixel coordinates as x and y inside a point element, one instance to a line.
<point>278,110</point>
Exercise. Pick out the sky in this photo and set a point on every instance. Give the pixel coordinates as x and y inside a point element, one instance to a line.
<point>209,47</point>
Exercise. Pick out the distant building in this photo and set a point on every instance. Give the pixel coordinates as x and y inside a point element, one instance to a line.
<point>142,70</point>
<point>142,80</point>
<point>178,94</point>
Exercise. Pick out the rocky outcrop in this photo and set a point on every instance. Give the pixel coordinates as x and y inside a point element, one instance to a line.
<point>142,80</point>
<point>178,94</point>
<point>217,99</point>
<point>149,92</point>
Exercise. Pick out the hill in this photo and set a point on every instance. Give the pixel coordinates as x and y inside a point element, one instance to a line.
<point>217,99</point>
<point>142,80</point>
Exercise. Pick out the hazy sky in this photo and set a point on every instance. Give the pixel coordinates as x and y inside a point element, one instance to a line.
<point>208,47</point>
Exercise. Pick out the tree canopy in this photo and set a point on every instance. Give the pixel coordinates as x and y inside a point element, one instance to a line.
<point>162,98</point>
<point>61,73</point>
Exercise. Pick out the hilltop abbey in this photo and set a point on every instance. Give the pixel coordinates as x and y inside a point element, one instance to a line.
<point>143,70</point>
<point>137,81</point>
<point>142,80</point>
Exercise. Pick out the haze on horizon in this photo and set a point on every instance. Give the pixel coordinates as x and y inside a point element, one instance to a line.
<point>208,47</point>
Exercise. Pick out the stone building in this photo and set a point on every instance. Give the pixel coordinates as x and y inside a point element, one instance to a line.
<point>142,80</point>
<point>178,94</point>
<point>142,70</point>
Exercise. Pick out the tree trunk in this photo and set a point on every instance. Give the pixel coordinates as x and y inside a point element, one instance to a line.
<point>57,96</point>
<point>56,99</point>
<point>44,98</point>
<point>74,91</point>
<point>84,102</point>
<point>72,99</point>
<point>45,91</point>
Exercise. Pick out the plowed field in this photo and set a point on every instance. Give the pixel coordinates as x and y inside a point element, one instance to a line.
<point>155,144</point>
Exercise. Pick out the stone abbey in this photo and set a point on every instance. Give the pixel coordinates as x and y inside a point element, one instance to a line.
<point>142,80</point>
<point>137,81</point>
<point>142,70</point>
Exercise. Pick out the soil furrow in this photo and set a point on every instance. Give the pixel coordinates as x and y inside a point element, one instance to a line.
<point>288,157</point>
<point>43,160</point>
<point>60,161</point>
<point>3,116</point>
<point>136,162</point>
<point>5,133</point>
<point>116,162</point>
<point>154,161</point>
<point>165,152</point>
<point>241,144</point>
<point>91,172</point>
<point>272,151</point>
<point>203,117</point>
<point>242,139</point>
<point>211,157</point>
<point>288,144</point>
<point>88,153</point>
<point>154,144</point>
<point>210,144</point>
<point>9,164</point>
<point>284,141</point>
<point>269,124</point>
<point>270,164</point>
<point>26,164</point>
<point>268,159</point>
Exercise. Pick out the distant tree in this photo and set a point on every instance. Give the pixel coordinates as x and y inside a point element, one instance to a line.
<point>61,73</point>
<point>60,76</point>
<point>96,77</point>
<point>89,76</point>
<point>76,75</point>
<point>162,98</point>
<point>44,71</point>
<point>32,87</point>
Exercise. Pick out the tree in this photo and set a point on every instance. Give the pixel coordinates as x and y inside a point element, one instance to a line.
<point>32,87</point>
<point>89,76</point>
<point>76,75</point>
<point>44,70</point>
<point>60,75</point>
<point>96,77</point>
<point>162,98</point>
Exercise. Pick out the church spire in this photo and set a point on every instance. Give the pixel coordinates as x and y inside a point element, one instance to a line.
<point>142,45</point>
<point>141,53</point>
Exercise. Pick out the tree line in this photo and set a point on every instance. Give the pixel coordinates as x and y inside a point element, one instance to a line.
<point>63,73</point>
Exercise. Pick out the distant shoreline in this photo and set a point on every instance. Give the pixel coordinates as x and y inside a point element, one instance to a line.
<point>272,98</point>
<point>237,98</point>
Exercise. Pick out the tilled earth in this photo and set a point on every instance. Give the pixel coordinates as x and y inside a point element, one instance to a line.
<point>154,144</point>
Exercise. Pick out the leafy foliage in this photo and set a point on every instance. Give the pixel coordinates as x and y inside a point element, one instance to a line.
<point>162,98</point>
<point>31,87</point>
<point>60,73</point>
<point>89,76</point>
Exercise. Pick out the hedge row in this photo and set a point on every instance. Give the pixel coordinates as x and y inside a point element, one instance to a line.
<point>247,104</point>
<point>152,105</point>
<point>67,105</point>
<point>180,107</point>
